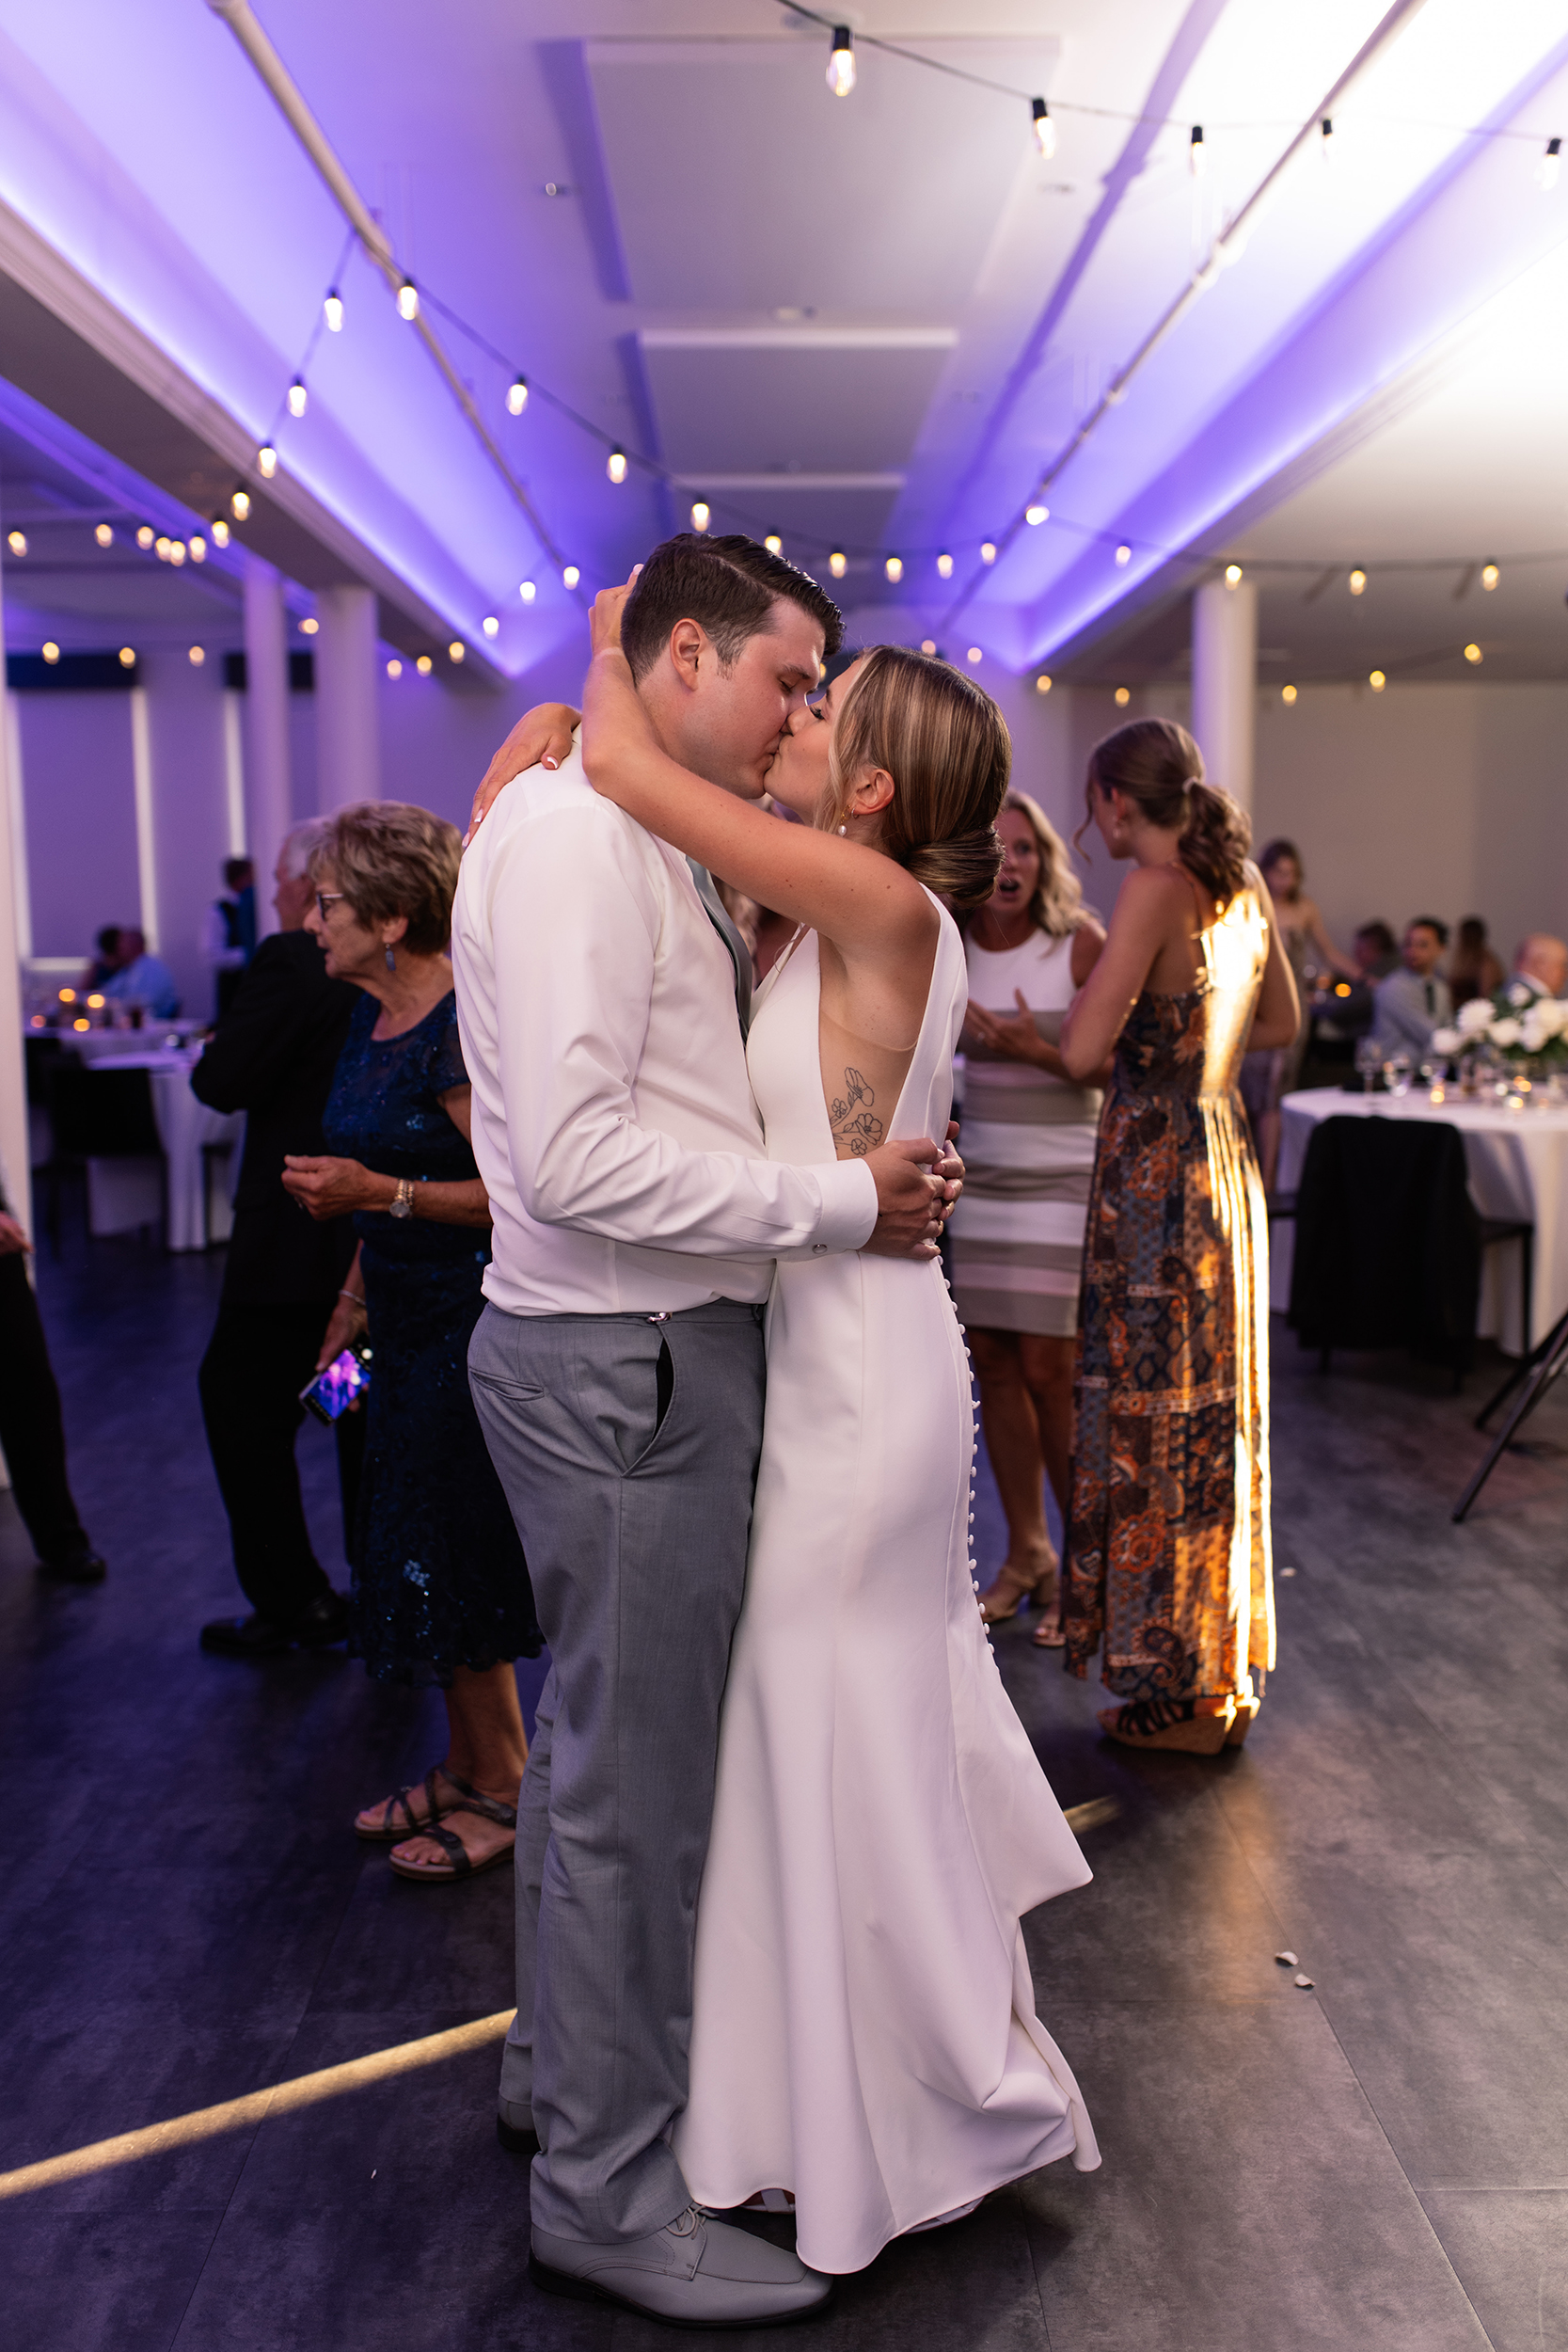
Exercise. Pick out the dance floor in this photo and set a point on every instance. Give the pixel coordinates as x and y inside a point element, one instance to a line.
<point>1376,2164</point>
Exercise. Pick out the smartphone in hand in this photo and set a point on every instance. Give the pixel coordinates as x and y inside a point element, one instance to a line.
<point>337,1385</point>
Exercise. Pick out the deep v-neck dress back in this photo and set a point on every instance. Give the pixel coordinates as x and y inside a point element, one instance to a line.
<point>864,2031</point>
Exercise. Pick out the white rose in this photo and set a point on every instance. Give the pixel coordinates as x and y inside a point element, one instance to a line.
<point>1505,1033</point>
<point>1448,1041</point>
<point>1533,1033</point>
<point>1520,995</point>
<point>1476,1016</point>
<point>1554,1013</point>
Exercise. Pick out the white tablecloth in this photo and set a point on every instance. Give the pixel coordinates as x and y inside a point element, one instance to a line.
<point>123,1194</point>
<point>1518,1167</point>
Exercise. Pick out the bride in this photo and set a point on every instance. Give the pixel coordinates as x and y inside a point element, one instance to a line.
<point>864,2040</point>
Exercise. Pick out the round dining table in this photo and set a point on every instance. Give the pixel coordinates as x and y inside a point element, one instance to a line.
<point>197,1212</point>
<point>1517,1162</point>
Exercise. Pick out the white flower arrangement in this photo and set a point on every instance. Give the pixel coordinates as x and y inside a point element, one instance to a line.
<point>1513,1023</point>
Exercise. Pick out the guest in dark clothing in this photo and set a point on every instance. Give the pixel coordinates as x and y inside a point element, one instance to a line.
<point>273,1057</point>
<point>228,934</point>
<point>31,1430</point>
<point>441,1591</point>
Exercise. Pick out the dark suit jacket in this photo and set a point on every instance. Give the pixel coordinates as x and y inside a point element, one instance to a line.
<point>273,1055</point>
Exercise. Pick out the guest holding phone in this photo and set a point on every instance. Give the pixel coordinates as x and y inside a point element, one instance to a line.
<point>441,1591</point>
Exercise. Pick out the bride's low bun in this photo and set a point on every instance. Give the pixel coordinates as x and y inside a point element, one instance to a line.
<point>946,745</point>
<point>962,870</point>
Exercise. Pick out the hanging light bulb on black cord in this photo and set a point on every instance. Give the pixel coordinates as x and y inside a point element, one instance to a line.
<point>517,396</point>
<point>333,307</point>
<point>1045,129</point>
<point>1547,171</point>
<point>1197,156</point>
<point>841,65</point>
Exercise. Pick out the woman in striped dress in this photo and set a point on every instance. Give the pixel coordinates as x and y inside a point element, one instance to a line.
<point>1028,1142</point>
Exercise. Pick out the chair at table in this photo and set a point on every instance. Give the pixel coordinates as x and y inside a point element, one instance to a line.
<point>1389,1242</point>
<point>96,1115</point>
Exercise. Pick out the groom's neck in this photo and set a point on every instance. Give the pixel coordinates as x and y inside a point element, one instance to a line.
<point>682,722</point>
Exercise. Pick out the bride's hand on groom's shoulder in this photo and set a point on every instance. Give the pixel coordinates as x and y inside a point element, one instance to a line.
<point>541,739</point>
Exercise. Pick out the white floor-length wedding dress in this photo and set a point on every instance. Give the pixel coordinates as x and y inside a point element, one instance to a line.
<point>864,2032</point>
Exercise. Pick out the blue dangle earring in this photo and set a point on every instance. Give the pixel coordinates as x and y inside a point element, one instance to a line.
<point>391,959</point>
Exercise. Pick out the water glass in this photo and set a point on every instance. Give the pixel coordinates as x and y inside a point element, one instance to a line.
<point>1369,1062</point>
<point>1396,1073</point>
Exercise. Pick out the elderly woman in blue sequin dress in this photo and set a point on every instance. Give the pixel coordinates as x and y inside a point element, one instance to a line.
<point>441,1589</point>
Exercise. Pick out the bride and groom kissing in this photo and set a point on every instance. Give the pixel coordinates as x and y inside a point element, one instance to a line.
<point>780,1821</point>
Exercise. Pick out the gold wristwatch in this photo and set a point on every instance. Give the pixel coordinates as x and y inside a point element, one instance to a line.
<point>401,1201</point>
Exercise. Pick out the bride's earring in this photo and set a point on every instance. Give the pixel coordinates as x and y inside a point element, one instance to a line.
<point>843,829</point>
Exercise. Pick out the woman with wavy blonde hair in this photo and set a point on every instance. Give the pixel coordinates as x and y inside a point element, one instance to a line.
<point>1168,1533</point>
<point>1018,1232</point>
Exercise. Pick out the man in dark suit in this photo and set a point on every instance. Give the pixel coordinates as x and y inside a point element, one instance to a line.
<point>273,1057</point>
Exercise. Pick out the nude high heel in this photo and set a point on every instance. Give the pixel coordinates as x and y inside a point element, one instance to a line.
<point>1013,1588</point>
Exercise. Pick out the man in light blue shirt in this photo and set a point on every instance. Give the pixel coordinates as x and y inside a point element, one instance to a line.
<point>1415,1000</point>
<point>144,979</point>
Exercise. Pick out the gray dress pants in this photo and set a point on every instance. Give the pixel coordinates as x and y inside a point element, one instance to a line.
<point>627,1446</point>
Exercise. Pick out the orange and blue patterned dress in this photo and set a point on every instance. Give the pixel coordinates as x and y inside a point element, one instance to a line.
<point>1169,1535</point>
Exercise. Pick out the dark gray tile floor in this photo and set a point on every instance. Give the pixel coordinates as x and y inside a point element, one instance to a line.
<point>1377,2165</point>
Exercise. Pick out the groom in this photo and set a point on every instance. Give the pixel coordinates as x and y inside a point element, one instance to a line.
<point>618,1373</point>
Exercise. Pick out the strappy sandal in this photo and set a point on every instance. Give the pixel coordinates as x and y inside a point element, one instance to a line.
<point>389,1832</point>
<point>459,1865</point>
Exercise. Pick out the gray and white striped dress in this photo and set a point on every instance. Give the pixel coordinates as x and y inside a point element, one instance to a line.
<point>1027,1140</point>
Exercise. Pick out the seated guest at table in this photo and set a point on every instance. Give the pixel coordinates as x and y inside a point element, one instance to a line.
<point>228,930</point>
<point>1414,1001</point>
<point>1473,969</point>
<point>105,961</point>
<point>441,1591</point>
<point>1374,950</point>
<point>273,1057</point>
<point>31,1429</point>
<point>1542,962</point>
<point>143,979</point>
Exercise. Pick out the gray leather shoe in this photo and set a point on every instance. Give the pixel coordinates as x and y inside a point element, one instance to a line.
<point>695,2272</point>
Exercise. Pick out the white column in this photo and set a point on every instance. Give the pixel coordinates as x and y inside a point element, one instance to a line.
<point>1225,683</point>
<point>348,749</point>
<point>269,811</point>
<point>15,1151</point>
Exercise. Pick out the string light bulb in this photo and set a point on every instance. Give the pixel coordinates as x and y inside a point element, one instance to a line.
<point>425,665</point>
<point>394,668</point>
<point>145,537</point>
<point>1549,169</point>
<point>1198,158</point>
<point>1035,513</point>
<point>197,656</point>
<point>570,577</point>
<point>1045,129</point>
<point>50,651</point>
<point>127,657</point>
<point>838,563</point>
<point>988,551</point>
<point>526,590</point>
<point>1124,555</point>
<point>1326,139</point>
<point>615,466</point>
<point>1042,684</point>
<point>104,535</point>
<point>927,645</point>
<point>199,547</point>
<point>944,566</point>
<point>774,543</point>
<point>240,505</point>
<point>408,301</point>
<point>517,396</point>
<point>1287,695</point>
<point>266,459</point>
<point>895,569</point>
<point>220,532</point>
<point>333,309</point>
<point>701,515</point>
<point>1358,582</point>
<point>1473,655</point>
<point>1232,575</point>
<point>974,654</point>
<point>1489,577</point>
<point>298,397</point>
<point>1377,681</point>
<point>491,626</point>
<point>17,542</point>
<point>177,553</point>
<point>161,548</point>
<point>310,625</point>
<point>457,650</point>
<point>841,65</point>
<point>1123,696</point>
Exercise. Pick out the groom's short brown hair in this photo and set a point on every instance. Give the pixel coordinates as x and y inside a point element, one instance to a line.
<point>729,586</point>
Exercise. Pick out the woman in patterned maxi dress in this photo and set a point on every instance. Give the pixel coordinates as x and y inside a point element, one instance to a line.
<point>1169,1527</point>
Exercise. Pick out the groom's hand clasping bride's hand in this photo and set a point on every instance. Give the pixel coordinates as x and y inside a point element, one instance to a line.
<point>913,1205</point>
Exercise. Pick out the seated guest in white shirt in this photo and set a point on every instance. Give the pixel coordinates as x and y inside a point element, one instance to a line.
<point>1415,1000</point>
<point>1542,962</point>
<point>143,979</point>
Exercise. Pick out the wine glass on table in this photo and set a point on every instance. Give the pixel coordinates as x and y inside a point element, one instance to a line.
<point>1369,1062</point>
<point>1396,1073</point>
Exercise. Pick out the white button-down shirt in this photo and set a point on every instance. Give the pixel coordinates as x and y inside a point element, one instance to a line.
<point>612,1118</point>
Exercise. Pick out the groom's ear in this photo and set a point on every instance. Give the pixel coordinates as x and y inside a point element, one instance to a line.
<point>691,654</point>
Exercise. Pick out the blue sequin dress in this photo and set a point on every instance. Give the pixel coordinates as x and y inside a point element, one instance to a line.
<point>440,1579</point>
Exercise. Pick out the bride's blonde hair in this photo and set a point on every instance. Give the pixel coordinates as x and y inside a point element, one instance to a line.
<point>946,747</point>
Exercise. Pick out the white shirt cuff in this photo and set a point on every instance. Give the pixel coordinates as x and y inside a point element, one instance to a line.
<point>849,1209</point>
